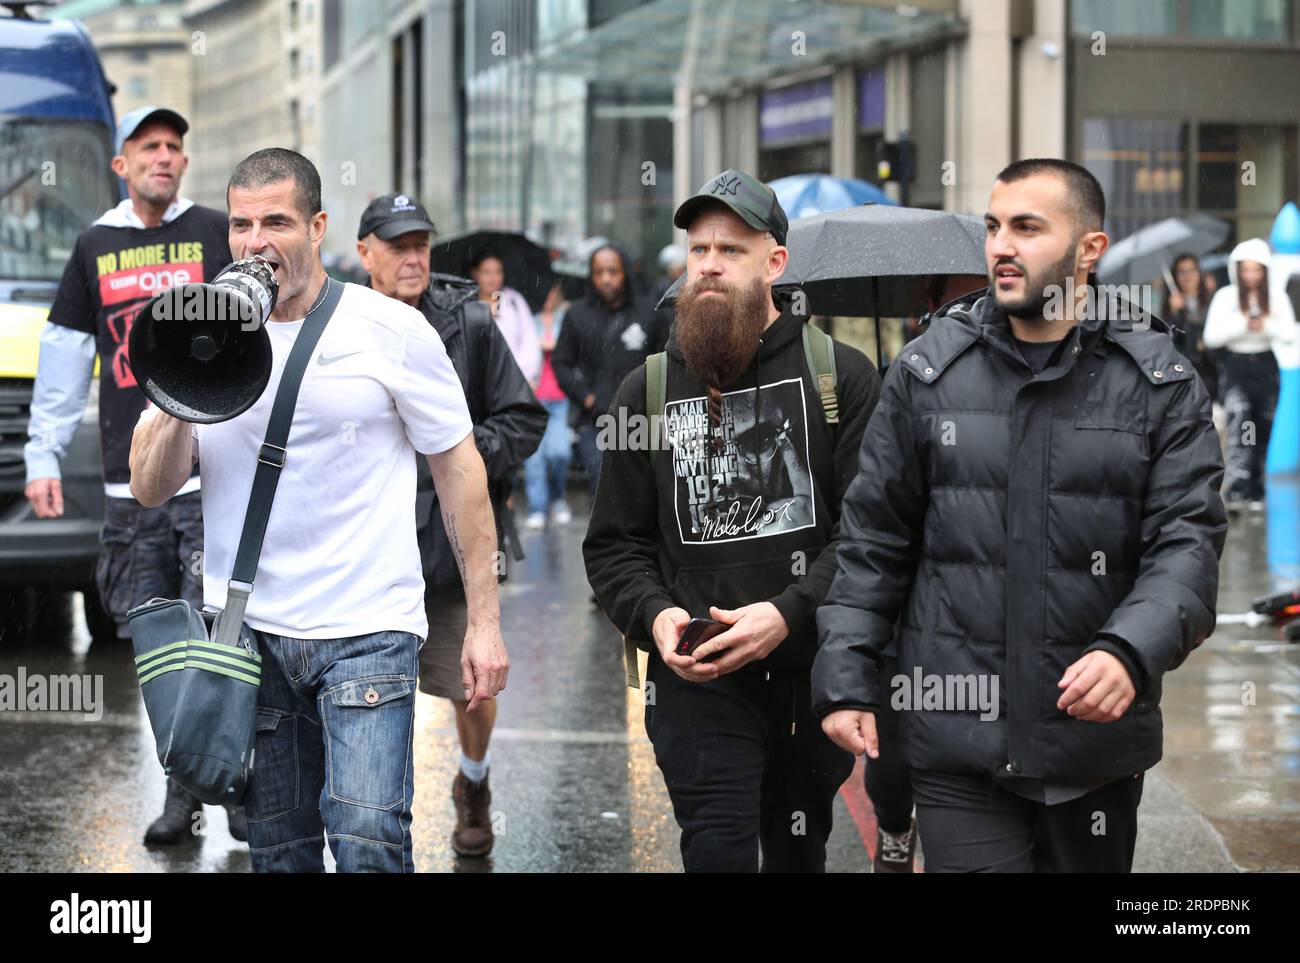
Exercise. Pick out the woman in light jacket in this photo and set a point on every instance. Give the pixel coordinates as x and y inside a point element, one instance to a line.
<point>546,472</point>
<point>1248,321</point>
<point>513,316</point>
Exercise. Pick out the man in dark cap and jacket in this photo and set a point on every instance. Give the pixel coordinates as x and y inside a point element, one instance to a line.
<point>393,243</point>
<point>736,520</point>
<point>1038,523</point>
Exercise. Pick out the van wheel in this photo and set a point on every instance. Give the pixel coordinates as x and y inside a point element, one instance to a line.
<point>102,626</point>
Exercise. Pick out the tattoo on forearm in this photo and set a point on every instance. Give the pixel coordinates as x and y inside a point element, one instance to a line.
<point>453,536</point>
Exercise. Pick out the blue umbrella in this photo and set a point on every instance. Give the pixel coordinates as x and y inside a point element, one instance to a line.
<point>803,195</point>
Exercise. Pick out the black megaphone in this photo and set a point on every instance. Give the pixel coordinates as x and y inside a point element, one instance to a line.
<point>200,352</point>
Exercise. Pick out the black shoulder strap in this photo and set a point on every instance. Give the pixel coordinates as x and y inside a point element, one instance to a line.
<point>476,322</point>
<point>474,317</point>
<point>271,458</point>
<point>478,310</point>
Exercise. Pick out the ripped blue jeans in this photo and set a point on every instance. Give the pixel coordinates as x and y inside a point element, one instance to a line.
<point>333,755</point>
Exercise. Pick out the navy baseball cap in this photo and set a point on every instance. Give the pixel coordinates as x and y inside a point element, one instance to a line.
<point>141,115</point>
<point>390,215</point>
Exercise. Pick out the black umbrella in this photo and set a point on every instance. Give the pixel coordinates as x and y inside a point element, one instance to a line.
<point>527,264</point>
<point>873,259</point>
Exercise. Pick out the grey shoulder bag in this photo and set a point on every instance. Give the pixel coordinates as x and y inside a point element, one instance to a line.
<point>200,687</point>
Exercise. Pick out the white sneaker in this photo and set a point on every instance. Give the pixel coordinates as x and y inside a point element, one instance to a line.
<point>536,521</point>
<point>561,514</point>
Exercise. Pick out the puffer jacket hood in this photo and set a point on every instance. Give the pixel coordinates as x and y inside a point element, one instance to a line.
<point>980,316</point>
<point>449,291</point>
<point>1256,249</point>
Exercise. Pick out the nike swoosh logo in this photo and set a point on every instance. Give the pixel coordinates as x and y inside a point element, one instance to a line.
<point>322,360</point>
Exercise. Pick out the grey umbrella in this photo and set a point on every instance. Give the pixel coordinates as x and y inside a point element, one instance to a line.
<point>1146,254</point>
<point>872,260</point>
<point>869,260</point>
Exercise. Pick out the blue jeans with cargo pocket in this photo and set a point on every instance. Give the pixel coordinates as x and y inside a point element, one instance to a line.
<point>333,755</point>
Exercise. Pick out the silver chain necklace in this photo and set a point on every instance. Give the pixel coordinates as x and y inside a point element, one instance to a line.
<point>320,298</point>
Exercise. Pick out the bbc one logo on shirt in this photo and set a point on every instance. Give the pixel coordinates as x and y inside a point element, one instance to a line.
<point>76,917</point>
<point>146,270</point>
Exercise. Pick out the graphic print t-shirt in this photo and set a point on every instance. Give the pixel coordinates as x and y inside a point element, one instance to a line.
<point>113,271</point>
<point>746,477</point>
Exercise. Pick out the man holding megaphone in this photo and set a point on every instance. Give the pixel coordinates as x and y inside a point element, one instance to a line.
<point>338,608</point>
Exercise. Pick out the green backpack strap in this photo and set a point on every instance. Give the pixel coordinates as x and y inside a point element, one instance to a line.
<point>656,389</point>
<point>819,351</point>
<point>631,664</point>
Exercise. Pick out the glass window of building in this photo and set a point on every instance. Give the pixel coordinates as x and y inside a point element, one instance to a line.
<point>1242,173</point>
<point>1126,17</point>
<point>1245,173</point>
<point>794,125</point>
<point>871,123</point>
<point>1268,21</point>
<point>1141,164</point>
<point>1239,19</point>
<point>926,75</point>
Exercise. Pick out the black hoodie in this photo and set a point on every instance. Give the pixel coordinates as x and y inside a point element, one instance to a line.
<point>749,525</point>
<point>598,345</point>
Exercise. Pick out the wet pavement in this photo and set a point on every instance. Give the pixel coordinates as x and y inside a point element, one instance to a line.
<point>575,787</point>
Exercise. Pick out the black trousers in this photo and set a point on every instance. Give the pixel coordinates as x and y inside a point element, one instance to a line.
<point>888,780</point>
<point>1251,384</point>
<point>969,824</point>
<point>737,775</point>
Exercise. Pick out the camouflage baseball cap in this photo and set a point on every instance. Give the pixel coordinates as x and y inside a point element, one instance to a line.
<point>753,202</point>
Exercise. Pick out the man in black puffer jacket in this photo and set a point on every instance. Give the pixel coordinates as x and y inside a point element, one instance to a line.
<point>1038,520</point>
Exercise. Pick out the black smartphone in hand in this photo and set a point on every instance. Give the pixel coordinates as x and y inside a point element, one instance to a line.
<point>697,632</point>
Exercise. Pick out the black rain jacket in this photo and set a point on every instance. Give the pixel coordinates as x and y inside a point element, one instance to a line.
<point>508,419</point>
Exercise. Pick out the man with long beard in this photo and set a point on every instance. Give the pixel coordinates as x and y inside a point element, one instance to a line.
<point>735,521</point>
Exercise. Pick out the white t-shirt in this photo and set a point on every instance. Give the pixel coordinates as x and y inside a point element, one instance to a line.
<point>340,556</point>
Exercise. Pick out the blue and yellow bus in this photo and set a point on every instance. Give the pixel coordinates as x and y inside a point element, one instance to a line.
<point>56,144</point>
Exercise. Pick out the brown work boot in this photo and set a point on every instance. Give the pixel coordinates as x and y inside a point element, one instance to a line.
<point>473,833</point>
